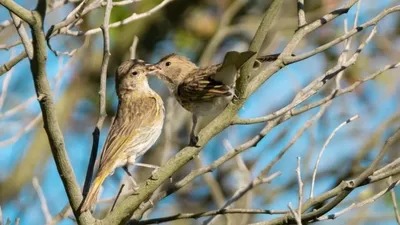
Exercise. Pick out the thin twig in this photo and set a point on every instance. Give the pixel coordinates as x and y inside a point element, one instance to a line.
<point>209,213</point>
<point>360,204</point>
<point>300,182</point>
<point>42,199</point>
<point>243,190</point>
<point>292,141</point>
<point>323,149</point>
<point>9,46</point>
<point>10,64</point>
<point>116,197</point>
<point>389,166</point>
<point>102,98</point>
<point>394,200</point>
<point>294,214</point>
<point>125,2</point>
<point>132,49</point>
<point>125,21</point>
<point>6,82</point>
<point>23,35</point>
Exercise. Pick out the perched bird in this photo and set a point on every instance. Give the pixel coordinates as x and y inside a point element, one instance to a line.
<point>136,127</point>
<point>203,91</point>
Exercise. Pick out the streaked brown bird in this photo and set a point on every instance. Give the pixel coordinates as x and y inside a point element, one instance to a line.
<point>203,91</point>
<point>136,127</point>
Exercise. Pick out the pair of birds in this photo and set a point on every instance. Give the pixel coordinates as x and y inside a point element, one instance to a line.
<point>140,114</point>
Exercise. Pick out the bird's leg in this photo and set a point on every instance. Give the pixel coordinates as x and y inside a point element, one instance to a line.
<point>154,167</point>
<point>135,186</point>
<point>146,165</point>
<point>193,137</point>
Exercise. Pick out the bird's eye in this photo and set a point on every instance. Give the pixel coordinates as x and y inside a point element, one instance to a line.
<point>134,73</point>
<point>168,63</point>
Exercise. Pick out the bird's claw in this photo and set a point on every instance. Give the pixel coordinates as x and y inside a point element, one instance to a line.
<point>193,141</point>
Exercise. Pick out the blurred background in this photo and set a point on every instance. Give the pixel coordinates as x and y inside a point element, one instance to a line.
<point>186,27</point>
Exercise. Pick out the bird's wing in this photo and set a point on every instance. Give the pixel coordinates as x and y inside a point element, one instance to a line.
<point>200,85</point>
<point>127,135</point>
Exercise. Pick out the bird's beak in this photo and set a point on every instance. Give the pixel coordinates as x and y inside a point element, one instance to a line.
<point>153,68</point>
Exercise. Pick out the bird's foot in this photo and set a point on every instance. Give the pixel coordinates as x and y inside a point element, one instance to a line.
<point>193,141</point>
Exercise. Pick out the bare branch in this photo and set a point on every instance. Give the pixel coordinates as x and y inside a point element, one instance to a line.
<point>130,19</point>
<point>360,204</point>
<point>294,214</point>
<point>349,34</point>
<point>124,2</point>
<point>9,46</point>
<point>23,35</point>
<point>132,49</point>
<point>4,88</point>
<point>313,87</point>
<point>323,149</point>
<point>51,126</point>
<point>209,213</point>
<point>102,98</point>
<point>6,67</point>
<point>1,217</point>
<point>394,200</point>
<point>42,199</point>
<point>339,192</point>
<point>301,14</point>
<point>18,10</point>
<point>299,208</point>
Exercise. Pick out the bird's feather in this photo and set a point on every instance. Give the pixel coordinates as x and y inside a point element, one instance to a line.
<point>233,61</point>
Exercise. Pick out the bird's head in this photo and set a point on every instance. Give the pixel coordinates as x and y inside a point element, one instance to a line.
<point>172,69</point>
<point>132,76</point>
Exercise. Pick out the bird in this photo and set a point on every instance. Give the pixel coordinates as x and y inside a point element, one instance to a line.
<point>137,125</point>
<point>204,91</point>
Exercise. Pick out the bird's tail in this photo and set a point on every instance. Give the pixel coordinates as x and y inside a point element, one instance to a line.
<point>91,197</point>
<point>232,62</point>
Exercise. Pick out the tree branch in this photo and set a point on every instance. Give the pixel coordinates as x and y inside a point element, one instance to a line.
<point>23,35</point>
<point>7,66</point>
<point>102,98</point>
<point>209,213</point>
<point>42,87</point>
<point>20,11</point>
<point>255,45</point>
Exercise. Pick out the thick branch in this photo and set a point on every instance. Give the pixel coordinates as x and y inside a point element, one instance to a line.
<point>20,11</point>
<point>44,95</point>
